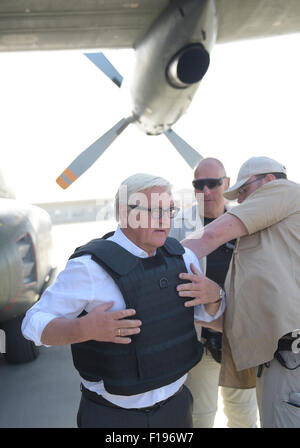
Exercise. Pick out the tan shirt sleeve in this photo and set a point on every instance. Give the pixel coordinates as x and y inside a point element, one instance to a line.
<point>268,205</point>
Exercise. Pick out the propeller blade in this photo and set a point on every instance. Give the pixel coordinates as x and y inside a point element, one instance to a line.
<point>190,155</point>
<point>91,154</point>
<point>106,67</point>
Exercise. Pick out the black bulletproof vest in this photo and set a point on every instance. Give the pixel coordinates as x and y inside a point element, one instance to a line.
<point>217,264</point>
<point>167,346</point>
<point>218,261</point>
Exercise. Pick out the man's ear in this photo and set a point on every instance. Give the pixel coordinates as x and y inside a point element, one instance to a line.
<point>269,177</point>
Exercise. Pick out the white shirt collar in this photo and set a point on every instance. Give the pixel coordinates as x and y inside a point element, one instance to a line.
<point>120,238</point>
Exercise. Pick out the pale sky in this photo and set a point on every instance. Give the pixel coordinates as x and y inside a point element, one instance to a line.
<point>53,105</point>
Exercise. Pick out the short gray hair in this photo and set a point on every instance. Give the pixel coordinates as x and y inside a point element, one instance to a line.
<point>139,182</point>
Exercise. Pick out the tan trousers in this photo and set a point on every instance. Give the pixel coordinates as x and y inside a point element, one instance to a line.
<point>274,393</point>
<point>240,406</point>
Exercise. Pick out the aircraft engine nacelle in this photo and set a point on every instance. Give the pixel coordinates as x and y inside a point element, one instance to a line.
<point>188,66</point>
<point>171,60</point>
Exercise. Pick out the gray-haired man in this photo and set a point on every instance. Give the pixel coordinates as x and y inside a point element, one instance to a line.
<point>132,370</point>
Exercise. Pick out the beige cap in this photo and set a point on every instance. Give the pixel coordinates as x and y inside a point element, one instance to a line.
<point>253,167</point>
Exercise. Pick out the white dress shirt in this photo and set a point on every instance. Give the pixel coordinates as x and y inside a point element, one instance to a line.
<point>83,285</point>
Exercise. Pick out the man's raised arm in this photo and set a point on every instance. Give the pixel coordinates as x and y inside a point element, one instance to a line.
<point>225,228</point>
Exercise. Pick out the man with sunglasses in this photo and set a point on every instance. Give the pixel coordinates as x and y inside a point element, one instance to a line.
<point>262,319</point>
<point>240,407</point>
<point>132,335</point>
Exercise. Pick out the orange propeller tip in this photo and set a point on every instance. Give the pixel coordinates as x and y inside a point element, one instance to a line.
<point>62,183</point>
<point>66,178</point>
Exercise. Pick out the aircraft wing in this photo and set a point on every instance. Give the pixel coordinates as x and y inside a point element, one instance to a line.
<point>69,24</point>
<point>246,19</point>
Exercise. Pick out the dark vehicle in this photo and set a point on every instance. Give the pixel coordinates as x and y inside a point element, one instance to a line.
<point>26,269</point>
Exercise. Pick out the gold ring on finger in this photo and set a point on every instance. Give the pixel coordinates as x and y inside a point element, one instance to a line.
<point>119,332</point>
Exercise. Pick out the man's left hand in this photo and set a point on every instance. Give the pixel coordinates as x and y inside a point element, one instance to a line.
<point>200,287</point>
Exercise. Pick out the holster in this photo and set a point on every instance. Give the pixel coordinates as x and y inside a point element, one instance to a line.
<point>212,341</point>
<point>285,344</point>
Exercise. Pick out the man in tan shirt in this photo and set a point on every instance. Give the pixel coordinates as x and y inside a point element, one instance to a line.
<point>240,406</point>
<point>262,288</point>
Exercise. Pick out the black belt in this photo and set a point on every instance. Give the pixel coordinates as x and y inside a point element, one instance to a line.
<point>93,396</point>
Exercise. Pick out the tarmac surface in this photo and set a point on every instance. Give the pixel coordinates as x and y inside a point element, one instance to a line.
<point>40,394</point>
<point>45,393</point>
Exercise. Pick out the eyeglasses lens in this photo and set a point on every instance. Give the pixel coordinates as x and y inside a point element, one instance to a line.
<point>159,212</point>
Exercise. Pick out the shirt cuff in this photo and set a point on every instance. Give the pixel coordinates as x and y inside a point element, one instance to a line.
<point>33,326</point>
<point>201,314</point>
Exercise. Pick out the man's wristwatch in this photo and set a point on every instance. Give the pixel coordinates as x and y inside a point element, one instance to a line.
<point>221,292</point>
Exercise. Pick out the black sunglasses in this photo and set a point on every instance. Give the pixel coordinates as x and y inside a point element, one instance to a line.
<point>211,183</point>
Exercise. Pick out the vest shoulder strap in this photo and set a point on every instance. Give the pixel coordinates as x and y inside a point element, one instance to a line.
<point>173,247</point>
<point>117,258</point>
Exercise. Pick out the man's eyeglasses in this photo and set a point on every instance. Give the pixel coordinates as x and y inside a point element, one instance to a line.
<point>157,212</point>
<point>243,189</point>
<point>211,183</point>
